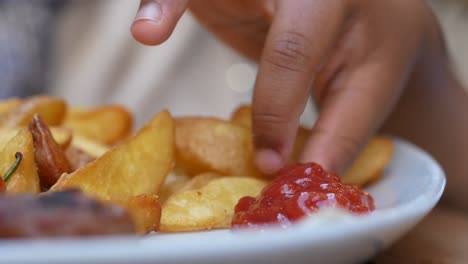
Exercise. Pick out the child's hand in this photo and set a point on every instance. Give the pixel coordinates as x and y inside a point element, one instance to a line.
<point>354,56</point>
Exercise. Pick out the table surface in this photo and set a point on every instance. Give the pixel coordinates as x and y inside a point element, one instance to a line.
<point>442,237</point>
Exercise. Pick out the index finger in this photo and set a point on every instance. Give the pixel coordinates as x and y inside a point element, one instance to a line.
<point>301,36</point>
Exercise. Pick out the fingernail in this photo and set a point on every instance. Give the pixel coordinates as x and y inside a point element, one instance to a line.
<point>150,10</point>
<point>268,161</point>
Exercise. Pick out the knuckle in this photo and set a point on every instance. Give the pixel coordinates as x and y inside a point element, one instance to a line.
<point>289,51</point>
<point>269,119</point>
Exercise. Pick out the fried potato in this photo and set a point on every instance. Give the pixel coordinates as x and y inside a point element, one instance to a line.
<point>52,110</point>
<point>61,135</point>
<point>213,145</point>
<point>145,211</point>
<point>89,146</point>
<point>9,104</point>
<point>137,166</point>
<point>25,178</point>
<point>50,158</point>
<point>107,124</point>
<point>207,203</point>
<point>369,165</point>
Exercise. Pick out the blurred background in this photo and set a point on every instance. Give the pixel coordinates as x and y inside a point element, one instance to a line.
<point>82,50</point>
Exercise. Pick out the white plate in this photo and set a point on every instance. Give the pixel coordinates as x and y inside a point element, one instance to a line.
<point>412,185</point>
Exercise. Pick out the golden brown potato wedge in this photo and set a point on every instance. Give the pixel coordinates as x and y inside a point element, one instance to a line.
<point>61,135</point>
<point>207,203</point>
<point>371,162</point>
<point>52,110</point>
<point>206,144</point>
<point>50,158</point>
<point>137,166</point>
<point>25,178</point>
<point>9,104</point>
<point>107,124</point>
<point>145,211</point>
<point>91,147</point>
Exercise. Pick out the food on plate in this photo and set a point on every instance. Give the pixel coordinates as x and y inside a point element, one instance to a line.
<point>205,144</point>
<point>52,110</point>
<point>60,214</point>
<point>25,178</point>
<point>145,211</point>
<point>298,191</point>
<point>370,164</point>
<point>61,135</point>
<point>136,166</point>
<point>50,158</point>
<point>107,124</point>
<point>182,174</point>
<point>206,202</point>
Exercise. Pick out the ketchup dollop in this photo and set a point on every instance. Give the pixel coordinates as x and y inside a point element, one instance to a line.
<point>300,190</point>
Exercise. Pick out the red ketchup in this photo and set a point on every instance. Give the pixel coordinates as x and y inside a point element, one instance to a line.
<point>298,191</point>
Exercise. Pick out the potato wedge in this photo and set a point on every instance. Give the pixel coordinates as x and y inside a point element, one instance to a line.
<point>51,161</point>
<point>52,110</point>
<point>9,104</point>
<point>137,166</point>
<point>91,147</point>
<point>107,124</point>
<point>369,165</point>
<point>62,136</point>
<point>206,144</point>
<point>25,178</point>
<point>207,203</point>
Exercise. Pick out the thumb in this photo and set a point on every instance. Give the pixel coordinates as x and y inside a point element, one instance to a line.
<point>156,19</point>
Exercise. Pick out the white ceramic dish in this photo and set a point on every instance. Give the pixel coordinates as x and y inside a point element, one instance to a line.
<point>412,185</point>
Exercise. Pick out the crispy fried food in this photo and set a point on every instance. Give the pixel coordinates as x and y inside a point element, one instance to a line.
<point>91,147</point>
<point>137,166</point>
<point>50,158</point>
<point>207,202</point>
<point>107,124</point>
<point>62,136</point>
<point>52,110</point>
<point>369,165</point>
<point>145,211</point>
<point>25,178</point>
<point>206,144</point>
<point>9,104</point>
<point>77,158</point>
<point>243,116</point>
